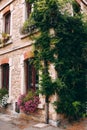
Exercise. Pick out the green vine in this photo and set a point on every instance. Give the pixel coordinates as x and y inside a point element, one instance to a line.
<point>67,50</point>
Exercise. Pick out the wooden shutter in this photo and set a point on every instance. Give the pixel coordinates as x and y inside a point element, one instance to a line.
<point>30,76</point>
<point>33,78</point>
<point>26,75</point>
<point>5,76</point>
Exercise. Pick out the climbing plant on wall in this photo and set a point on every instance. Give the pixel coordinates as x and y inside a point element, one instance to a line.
<point>71,65</point>
<point>66,48</point>
<point>44,13</point>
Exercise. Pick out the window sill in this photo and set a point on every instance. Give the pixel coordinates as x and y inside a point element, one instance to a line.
<point>41,106</point>
<point>23,36</point>
<point>6,44</point>
<point>7,3</point>
<point>9,101</point>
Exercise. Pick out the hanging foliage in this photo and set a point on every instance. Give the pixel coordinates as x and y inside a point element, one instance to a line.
<point>67,49</point>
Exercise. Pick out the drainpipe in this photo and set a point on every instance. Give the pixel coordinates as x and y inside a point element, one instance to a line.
<point>46,98</point>
<point>46,110</point>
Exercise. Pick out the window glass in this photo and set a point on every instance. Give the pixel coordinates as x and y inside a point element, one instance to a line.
<point>31,76</point>
<point>7,22</point>
<point>28,9</point>
<point>5,76</point>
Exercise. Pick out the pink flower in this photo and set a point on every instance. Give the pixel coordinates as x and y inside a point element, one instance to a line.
<point>29,106</point>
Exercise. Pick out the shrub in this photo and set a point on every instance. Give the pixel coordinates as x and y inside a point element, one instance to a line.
<point>3,91</point>
<point>3,97</point>
<point>68,104</point>
<point>28,103</point>
<point>28,26</point>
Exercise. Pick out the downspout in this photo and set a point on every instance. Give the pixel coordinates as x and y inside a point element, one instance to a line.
<point>46,98</point>
<point>46,110</point>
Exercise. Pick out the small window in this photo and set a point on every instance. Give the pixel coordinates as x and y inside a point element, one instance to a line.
<point>28,9</point>
<point>7,23</point>
<point>5,76</point>
<point>31,76</point>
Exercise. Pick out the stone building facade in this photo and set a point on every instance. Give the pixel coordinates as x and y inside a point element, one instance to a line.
<point>16,50</point>
<point>83,5</point>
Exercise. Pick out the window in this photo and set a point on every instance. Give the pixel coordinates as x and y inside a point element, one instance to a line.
<point>28,9</point>
<point>31,76</point>
<point>5,76</point>
<point>7,23</point>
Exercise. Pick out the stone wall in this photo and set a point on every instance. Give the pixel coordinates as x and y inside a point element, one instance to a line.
<point>21,48</point>
<point>16,52</point>
<point>13,52</point>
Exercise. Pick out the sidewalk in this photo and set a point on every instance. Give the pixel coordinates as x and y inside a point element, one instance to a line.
<point>14,123</point>
<point>8,122</point>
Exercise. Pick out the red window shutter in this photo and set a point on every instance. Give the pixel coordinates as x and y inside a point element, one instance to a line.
<point>5,76</point>
<point>33,77</point>
<point>2,77</point>
<point>26,75</point>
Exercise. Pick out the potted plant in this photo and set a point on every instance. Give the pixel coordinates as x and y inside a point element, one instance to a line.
<point>3,97</point>
<point>5,37</point>
<point>28,26</point>
<point>28,103</point>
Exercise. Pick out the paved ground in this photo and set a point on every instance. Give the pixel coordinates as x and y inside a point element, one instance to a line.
<point>7,126</point>
<point>11,123</point>
<point>14,123</point>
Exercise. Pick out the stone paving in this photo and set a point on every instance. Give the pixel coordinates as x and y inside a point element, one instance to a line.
<point>14,123</point>
<point>8,122</point>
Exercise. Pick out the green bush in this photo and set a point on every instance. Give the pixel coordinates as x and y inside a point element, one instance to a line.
<point>3,92</point>
<point>29,96</point>
<point>28,103</point>
<point>68,54</point>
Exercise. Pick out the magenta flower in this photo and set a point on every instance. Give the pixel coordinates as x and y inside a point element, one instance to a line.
<point>30,105</point>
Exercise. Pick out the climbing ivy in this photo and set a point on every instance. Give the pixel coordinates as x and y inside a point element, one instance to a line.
<point>71,66</point>
<point>45,18</point>
<point>67,50</point>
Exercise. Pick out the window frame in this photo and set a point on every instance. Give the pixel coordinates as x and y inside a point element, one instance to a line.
<point>7,22</point>
<point>31,76</point>
<point>5,75</point>
<point>28,9</point>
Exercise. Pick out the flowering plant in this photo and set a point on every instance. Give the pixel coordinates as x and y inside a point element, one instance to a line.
<point>3,97</point>
<point>3,101</point>
<point>5,37</point>
<point>28,103</point>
